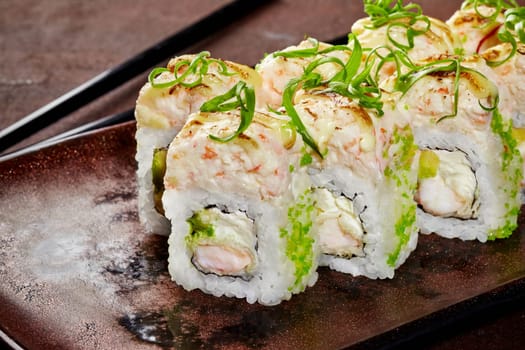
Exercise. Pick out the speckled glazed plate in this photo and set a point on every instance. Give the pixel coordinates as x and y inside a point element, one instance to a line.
<point>78,272</point>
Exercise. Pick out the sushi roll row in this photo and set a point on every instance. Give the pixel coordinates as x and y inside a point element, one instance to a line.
<point>325,155</point>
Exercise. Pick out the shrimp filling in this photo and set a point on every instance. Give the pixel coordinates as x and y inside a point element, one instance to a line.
<point>340,229</point>
<point>447,187</point>
<point>222,243</point>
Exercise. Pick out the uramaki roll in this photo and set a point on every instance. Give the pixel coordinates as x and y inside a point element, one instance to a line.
<point>161,110</point>
<point>363,186</point>
<point>241,211</point>
<point>470,167</point>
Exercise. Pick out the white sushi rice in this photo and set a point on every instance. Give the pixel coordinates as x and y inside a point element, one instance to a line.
<point>147,140</point>
<point>274,275</point>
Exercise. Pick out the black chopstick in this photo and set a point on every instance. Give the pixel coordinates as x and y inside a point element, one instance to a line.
<point>79,131</point>
<point>114,77</point>
<point>94,125</point>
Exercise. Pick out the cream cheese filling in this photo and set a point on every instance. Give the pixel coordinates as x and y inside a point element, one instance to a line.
<point>338,225</point>
<point>453,191</point>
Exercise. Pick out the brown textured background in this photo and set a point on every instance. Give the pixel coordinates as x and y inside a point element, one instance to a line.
<point>50,47</point>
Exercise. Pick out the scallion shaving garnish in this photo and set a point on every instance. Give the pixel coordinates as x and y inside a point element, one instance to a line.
<point>395,15</point>
<point>400,59</point>
<point>513,25</point>
<point>310,51</point>
<point>192,71</point>
<point>443,67</point>
<point>240,96</point>
<point>351,81</point>
<point>306,52</point>
<point>498,5</point>
<point>288,97</point>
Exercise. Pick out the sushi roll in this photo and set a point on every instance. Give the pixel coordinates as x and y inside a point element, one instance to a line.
<point>161,110</point>
<point>470,167</point>
<point>363,186</point>
<point>241,218</point>
<point>363,168</point>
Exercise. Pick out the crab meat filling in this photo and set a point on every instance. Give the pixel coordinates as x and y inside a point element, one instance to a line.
<point>222,243</point>
<point>447,185</point>
<point>340,229</point>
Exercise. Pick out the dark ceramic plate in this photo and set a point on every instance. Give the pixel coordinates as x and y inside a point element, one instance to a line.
<point>77,271</point>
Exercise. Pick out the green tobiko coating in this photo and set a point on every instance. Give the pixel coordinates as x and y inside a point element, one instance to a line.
<point>299,241</point>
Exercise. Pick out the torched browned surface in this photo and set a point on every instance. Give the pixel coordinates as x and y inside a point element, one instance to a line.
<point>78,272</point>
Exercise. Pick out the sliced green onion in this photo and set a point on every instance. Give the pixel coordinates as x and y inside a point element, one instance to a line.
<point>196,69</point>
<point>360,86</point>
<point>310,51</point>
<point>411,33</point>
<point>498,5</point>
<point>513,26</point>
<point>154,74</point>
<point>352,81</point>
<point>240,96</point>
<point>515,21</point>
<point>456,92</point>
<point>394,14</point>
<point>382,12</point>
<point>452,65</point>
<point>306,52</point>
<point>399,57</point>
<point>288,98</point>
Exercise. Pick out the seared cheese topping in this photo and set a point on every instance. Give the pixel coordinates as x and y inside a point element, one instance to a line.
<point>509,75</point>
<point>475,28</point>
<point>338,225</point>
<point>343,130</point>
<point>165,107</point>
<point>436,37</point>
<point>453,191</point>
<point>460,105</point>
<point>276,71</point>
<point>222,243</point>
<point>256,163</point>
